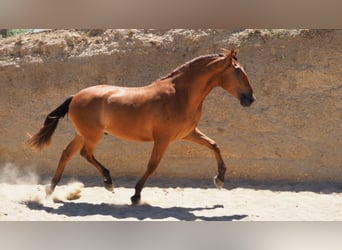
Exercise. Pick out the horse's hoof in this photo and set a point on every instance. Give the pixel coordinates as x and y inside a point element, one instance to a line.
<point>218,183</point>
<point>135,199</point>
<point>48,190</point>
<point>109,187</point>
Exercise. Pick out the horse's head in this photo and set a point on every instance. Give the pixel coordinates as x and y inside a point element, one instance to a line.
<point>234,79</point>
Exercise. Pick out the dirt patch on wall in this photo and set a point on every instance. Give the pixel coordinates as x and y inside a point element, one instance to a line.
<point>292,132</point>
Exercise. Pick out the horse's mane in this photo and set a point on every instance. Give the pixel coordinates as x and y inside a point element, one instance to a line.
<point>201,59</point>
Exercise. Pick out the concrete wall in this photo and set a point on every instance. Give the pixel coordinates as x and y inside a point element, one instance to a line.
<point>293,132</point>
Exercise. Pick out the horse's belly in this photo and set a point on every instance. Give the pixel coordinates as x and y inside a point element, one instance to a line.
<point>129,127</point>
<point>137,120</point>
<point>131,135</point>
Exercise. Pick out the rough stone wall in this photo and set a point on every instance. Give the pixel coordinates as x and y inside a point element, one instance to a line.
<point>292,132</point>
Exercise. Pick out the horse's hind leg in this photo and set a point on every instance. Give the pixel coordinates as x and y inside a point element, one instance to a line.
<point>88,152</point>
<point>198,137</point>
<point>73,147</point>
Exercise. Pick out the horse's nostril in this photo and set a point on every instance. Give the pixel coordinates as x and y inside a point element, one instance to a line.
<point>247,100</point>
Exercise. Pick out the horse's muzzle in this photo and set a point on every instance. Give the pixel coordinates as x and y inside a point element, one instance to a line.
<point>247,100</point>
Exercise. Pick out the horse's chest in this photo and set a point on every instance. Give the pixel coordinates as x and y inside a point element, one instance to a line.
<point>183,125</point>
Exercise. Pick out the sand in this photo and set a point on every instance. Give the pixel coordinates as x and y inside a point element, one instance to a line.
<point>170,200</point>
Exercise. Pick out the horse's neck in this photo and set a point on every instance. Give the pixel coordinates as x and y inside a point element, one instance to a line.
<point>195,88</point>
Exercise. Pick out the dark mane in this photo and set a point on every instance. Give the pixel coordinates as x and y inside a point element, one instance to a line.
<point>197,60</point>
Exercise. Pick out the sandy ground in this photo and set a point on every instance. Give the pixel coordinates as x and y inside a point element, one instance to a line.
<point>171,200</point>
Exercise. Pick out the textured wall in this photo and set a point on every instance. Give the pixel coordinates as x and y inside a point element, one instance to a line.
<point>293,132</point>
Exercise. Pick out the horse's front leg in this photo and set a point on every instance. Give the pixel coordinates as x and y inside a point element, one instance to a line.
<point>157,153</point>
<point>198,137</point>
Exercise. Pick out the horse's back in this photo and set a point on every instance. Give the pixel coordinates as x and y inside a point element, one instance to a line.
<point>119,111</point>
<point>139,114</point>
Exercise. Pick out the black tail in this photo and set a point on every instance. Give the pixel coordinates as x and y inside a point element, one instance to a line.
<point>43,137</point>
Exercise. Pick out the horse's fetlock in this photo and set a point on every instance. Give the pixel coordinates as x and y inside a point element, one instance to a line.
<point>107,173</point>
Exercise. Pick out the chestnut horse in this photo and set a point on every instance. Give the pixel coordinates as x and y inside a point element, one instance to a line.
<point>165,111</point>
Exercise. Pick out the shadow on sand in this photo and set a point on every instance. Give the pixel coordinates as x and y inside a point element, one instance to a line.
<point>230,184</point>
<point>140,212</point>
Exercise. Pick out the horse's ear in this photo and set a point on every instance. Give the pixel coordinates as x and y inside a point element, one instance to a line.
<point>234,52</point>
<point>228,56</point>
<point>226,51</point>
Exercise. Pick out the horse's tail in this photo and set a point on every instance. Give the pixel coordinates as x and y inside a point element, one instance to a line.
<point>43,137</point>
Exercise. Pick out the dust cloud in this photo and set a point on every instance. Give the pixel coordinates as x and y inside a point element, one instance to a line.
<point>12,174</point>
<point>33,186</point>
<point>71,191</point>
